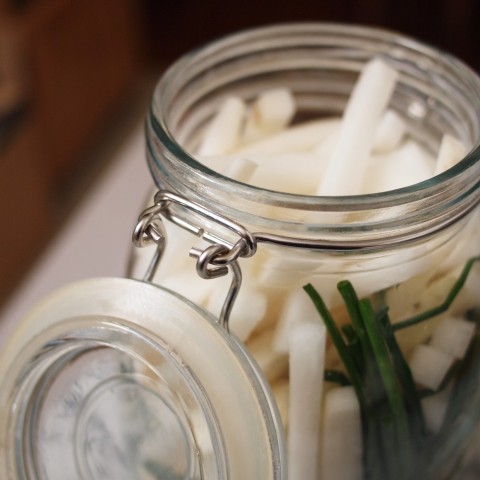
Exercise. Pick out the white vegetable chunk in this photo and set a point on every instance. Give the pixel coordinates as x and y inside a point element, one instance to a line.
<point>274,365</point>
<point>223,132</point>
<point>405,166</point>
<point>429,365</point>
<point>389,133</point>
<point>298,309</point>
<point>239,168</point>
<point>451,151</point>
<point>287,172</point>
<point>370,96</point>
<point>272,111</point>
<point>299,138</point>
<point>248,310</point>
<point>342,436</point>
<point>307,359</point>
<point>453,336</point>
<point>434,408</point>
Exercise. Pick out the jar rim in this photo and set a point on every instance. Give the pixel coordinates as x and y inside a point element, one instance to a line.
<point>463,179</point>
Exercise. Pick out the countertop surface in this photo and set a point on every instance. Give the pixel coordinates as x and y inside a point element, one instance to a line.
<point>96,239</point>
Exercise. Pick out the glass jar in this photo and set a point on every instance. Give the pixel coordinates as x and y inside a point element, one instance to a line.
<point>121,378</point>
<point>407,250</point>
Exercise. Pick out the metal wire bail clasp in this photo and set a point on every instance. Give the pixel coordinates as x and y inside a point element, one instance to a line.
<point>212,262</point>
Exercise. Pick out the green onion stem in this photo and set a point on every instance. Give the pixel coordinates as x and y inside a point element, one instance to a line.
<point>445,305</point>
<point>350,365</point>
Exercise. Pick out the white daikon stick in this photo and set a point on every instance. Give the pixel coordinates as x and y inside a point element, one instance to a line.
<point>287,172</point>
<point>341,457</point>
<point>298,309</point>
<point>299,138</point>
<point>451,151</point>
<point>453,336</point>
<point>389,133</point>
<point>274,365</point>
<point>371,94</point>
<point>249,308</point>
<point>240,168</point>
<point>272,111</point>
<point>223,132</point>
<point>307,359</point>
<point>402,167</point>
<point>429,365</point>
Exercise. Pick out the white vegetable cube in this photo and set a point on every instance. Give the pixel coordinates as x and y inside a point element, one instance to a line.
<point>223,132</point>
<point>453,336</point>
<point>275,109</point>
<point>389,133</point>
<point>434,408</point>
<point>272,111</point>
<point>429,365</point>
<point>451,151</point>
<point>307,360</point>
<point>342,447</point>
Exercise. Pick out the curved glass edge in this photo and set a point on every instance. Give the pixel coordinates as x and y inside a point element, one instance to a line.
<point>467,170</point>
<point>31,331</point>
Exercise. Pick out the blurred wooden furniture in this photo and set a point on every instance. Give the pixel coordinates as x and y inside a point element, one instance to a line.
<point>74,62</point>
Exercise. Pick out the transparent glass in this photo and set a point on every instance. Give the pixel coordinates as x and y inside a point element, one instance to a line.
<point>107,379</point>
<point>405,250</point>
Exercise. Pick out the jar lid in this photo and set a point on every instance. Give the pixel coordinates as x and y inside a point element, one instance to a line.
<point>118,379</point>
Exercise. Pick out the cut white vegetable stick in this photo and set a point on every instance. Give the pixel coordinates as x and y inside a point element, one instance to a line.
<point>287,172</point>
<point>371,94</point>
<point>282,172</point>
<point>280,391</point>
<point>272,111</point>
<point>342,447</point>
<point>299,138</point>
<point>223,132</point>
<point>405,166</point>
<point>453,336</point>
<point>297,309</point>
<point>429,365</point>
<point>307,361</point>
<point>327,146</point>
<point>389,133</point>
<point>274,365</point>
<point>240,168</point>
<point>451,151</point>
<point>248,310</point>
<point>434,408</point>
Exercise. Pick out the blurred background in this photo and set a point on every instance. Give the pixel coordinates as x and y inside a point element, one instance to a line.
<point>76,76</point>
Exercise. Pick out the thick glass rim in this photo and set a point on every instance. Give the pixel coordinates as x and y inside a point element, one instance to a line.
<point>468,168</point>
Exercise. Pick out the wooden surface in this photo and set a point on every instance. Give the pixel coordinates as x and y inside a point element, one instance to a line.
<point>78,61</point>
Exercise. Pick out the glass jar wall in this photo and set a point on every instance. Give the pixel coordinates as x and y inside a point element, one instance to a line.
<point>394,275</point>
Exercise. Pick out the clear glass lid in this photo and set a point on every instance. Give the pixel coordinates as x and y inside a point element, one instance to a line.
<point>120,379</point>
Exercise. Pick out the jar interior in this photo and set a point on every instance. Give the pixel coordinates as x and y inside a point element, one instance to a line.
<point>435,94</point>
